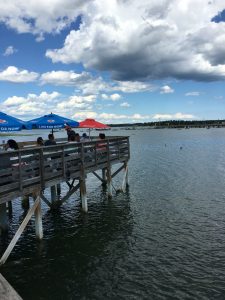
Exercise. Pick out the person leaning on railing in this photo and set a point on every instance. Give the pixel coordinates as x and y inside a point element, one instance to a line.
<point>51,140</point>
<point>40,141</point>
<point>101,145</point>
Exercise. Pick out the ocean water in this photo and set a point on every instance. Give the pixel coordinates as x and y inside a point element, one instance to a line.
<point>162,239</point>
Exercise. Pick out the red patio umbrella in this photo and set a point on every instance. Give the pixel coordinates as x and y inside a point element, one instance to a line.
<point>91,123</point>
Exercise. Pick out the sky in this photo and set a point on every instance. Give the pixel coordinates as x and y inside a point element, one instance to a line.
<point>118,61</point>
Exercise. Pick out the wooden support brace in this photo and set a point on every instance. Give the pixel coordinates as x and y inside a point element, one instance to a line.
<point>99,177</point>
<point>116,172</point>
<point>19,231</point>
<point>70,185</point>
<point>71,191</point>
<point>46,200</point>
<point>7,291</point>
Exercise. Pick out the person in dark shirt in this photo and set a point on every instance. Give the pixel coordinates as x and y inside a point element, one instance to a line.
<point>51,140</point>
<point>70,132</point>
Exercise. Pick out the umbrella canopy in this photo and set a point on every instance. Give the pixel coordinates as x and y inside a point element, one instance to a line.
<point>91,123</point>
<point>9,123</point>
<point>52,121</point>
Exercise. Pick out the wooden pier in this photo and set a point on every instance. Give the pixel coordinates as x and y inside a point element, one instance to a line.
<point>29,171</point>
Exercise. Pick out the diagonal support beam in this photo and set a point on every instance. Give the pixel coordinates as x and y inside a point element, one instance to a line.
<point>20,231</point>
<point>99,177</point>
<point>70,185</point>
<point>46,200</point>
<point>71,191</point>
<point>116,172</point>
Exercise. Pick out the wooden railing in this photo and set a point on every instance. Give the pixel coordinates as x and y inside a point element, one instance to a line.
<point>28,169</point>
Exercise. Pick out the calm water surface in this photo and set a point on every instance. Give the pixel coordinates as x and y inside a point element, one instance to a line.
<point>163,239</point>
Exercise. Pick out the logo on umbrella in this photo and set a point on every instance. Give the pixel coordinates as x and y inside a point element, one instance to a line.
<point>2,121</point>
<point>50,121</point>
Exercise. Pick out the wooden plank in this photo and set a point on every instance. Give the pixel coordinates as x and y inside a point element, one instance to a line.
<point>6,290</point>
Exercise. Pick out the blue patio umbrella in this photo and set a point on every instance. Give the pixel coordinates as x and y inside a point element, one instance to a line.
<point>52,121</point>
<point>9,123</point>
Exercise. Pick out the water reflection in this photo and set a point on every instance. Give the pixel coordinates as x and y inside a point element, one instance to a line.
<point>74,244</point>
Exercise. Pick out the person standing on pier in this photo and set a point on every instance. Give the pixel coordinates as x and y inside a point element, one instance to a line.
<point>70,132</point>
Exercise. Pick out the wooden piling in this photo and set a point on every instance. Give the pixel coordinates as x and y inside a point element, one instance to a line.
<point>104,179</point>
<point>109,177</point>
<point>53,194</point>
<point>3,218</point>
<point>125,178</point>
<point>38,220</point>
<point>25,202</point>
<point>83,195</point>
<point>9,205</point>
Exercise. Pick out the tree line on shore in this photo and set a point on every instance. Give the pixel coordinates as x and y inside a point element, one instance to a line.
<point>176,124</point>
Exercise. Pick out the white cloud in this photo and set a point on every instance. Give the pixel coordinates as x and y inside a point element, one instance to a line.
<point>177,116</point>
<point>89,84</point>
<point>9,51</point>
<point>13,74</point>
<point>32,105</point>
<point>80,116</point>
<point>133,86</point>
<point>84,81</point>
<point>111,117</point>
<point>193,94</point>
<point>39,17</point>
<point>104,96</point>
<point>112,97</point>
<point>152,40</point>
<point>115,97</point>
<point>166,90</point>
<point>74,103</point>
<point>125,104</point>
